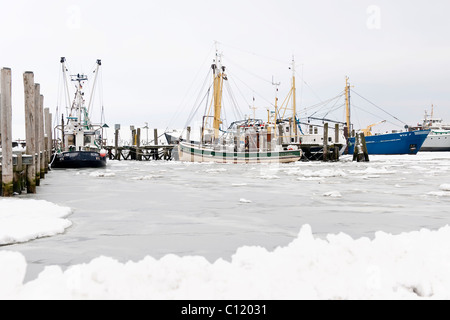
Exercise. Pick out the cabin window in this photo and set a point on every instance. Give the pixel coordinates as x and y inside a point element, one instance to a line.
<point>287,129</point>
<point>87,140</point>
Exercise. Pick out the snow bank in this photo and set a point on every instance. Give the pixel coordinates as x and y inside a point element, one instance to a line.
<point>408,266</point>
<point>25,220</point>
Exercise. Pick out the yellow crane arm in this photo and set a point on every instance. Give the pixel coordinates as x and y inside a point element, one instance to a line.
<point>368,131</point>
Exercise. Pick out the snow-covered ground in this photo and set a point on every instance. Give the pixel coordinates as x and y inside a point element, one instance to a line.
<point>407,266</point>
<point>25,220</point>
<point>389,193</point>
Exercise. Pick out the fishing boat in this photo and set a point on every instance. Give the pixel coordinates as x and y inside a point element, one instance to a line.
<point>81,143</point>
<point>244,141</point>
<point>394,143</point>
<point>439,137</point>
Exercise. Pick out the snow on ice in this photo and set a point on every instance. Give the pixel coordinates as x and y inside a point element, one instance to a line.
<point>407,266</point>
<point>25,220</point>
<point>100,174</point>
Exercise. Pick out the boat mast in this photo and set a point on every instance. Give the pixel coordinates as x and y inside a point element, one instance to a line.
<point>347,104</point>
<point>66,82</point>
<point>219,76</point>
<point>294,100</point>
<point>276,84</point>
<point>99,63</point>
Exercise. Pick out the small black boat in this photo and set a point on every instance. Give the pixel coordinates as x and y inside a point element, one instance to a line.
<point>79,159</point>
<point>81,145</point>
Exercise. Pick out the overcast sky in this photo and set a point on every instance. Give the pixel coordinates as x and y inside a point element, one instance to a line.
<point>155,53</point>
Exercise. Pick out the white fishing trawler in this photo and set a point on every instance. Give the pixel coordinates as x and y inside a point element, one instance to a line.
<point>80,143</point>
<point>439,137</point>
<point>244,141</point>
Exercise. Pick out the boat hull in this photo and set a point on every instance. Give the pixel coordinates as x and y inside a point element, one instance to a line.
<point>194,153</point>
<point>79,159</point>
<point>437,141</point>
<point>393,143</point>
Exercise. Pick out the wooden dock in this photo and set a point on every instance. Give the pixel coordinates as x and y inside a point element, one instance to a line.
<point>23,170</point>
<point>144,153</point>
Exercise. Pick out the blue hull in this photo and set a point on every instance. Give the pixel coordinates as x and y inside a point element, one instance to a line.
<point>393,143</point>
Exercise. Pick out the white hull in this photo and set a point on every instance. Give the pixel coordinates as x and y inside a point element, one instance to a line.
<point>194,153</point>
<point>437,141</point>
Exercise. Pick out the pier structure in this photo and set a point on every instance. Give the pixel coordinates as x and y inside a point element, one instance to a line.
<point>24,164</point>
<point>136,150</point>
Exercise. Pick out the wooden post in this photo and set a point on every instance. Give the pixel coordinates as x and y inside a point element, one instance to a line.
<point>37,126</point>
<point>50,140</point>
<point>188,135</point>
<point>116,145</point>
<point>138,144</point>
<point>247,147</point>
<point>42,136</point>
<point>238,141</point>
<point>28,81</point>
<point>356,149</point>
<point>336,133</point>
<point>47,139</point>
<point>336,142</point>
<point>325,142</point>
<point>360,153</point>
<point>188,139</point>
<point>364,146</point>
<point>62,132</point>
<point>155,136</point>
<point>280,135</point>
<point>6,132</point>
<point>18,171</point>
<point>48,133</point>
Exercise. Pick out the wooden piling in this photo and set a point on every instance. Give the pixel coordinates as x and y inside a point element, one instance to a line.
<point>155,136</point>
<point>116,144</point>
<point>6,133</point>
<point>48,138</point>
<point>336,148</point>
<point>42,136</point>
<point>360,153</point>
<point>37,126</point>
<point>364,146</point>
<point>18,172</point>
<point>280,135</point>
<point>188,135</point>
<point>28,81</point>
<point>138,144</point>
<point>325,142</point>
<point>188,139</point>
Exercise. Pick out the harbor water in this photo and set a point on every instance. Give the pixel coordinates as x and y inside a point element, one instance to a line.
<point>135,209</point>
